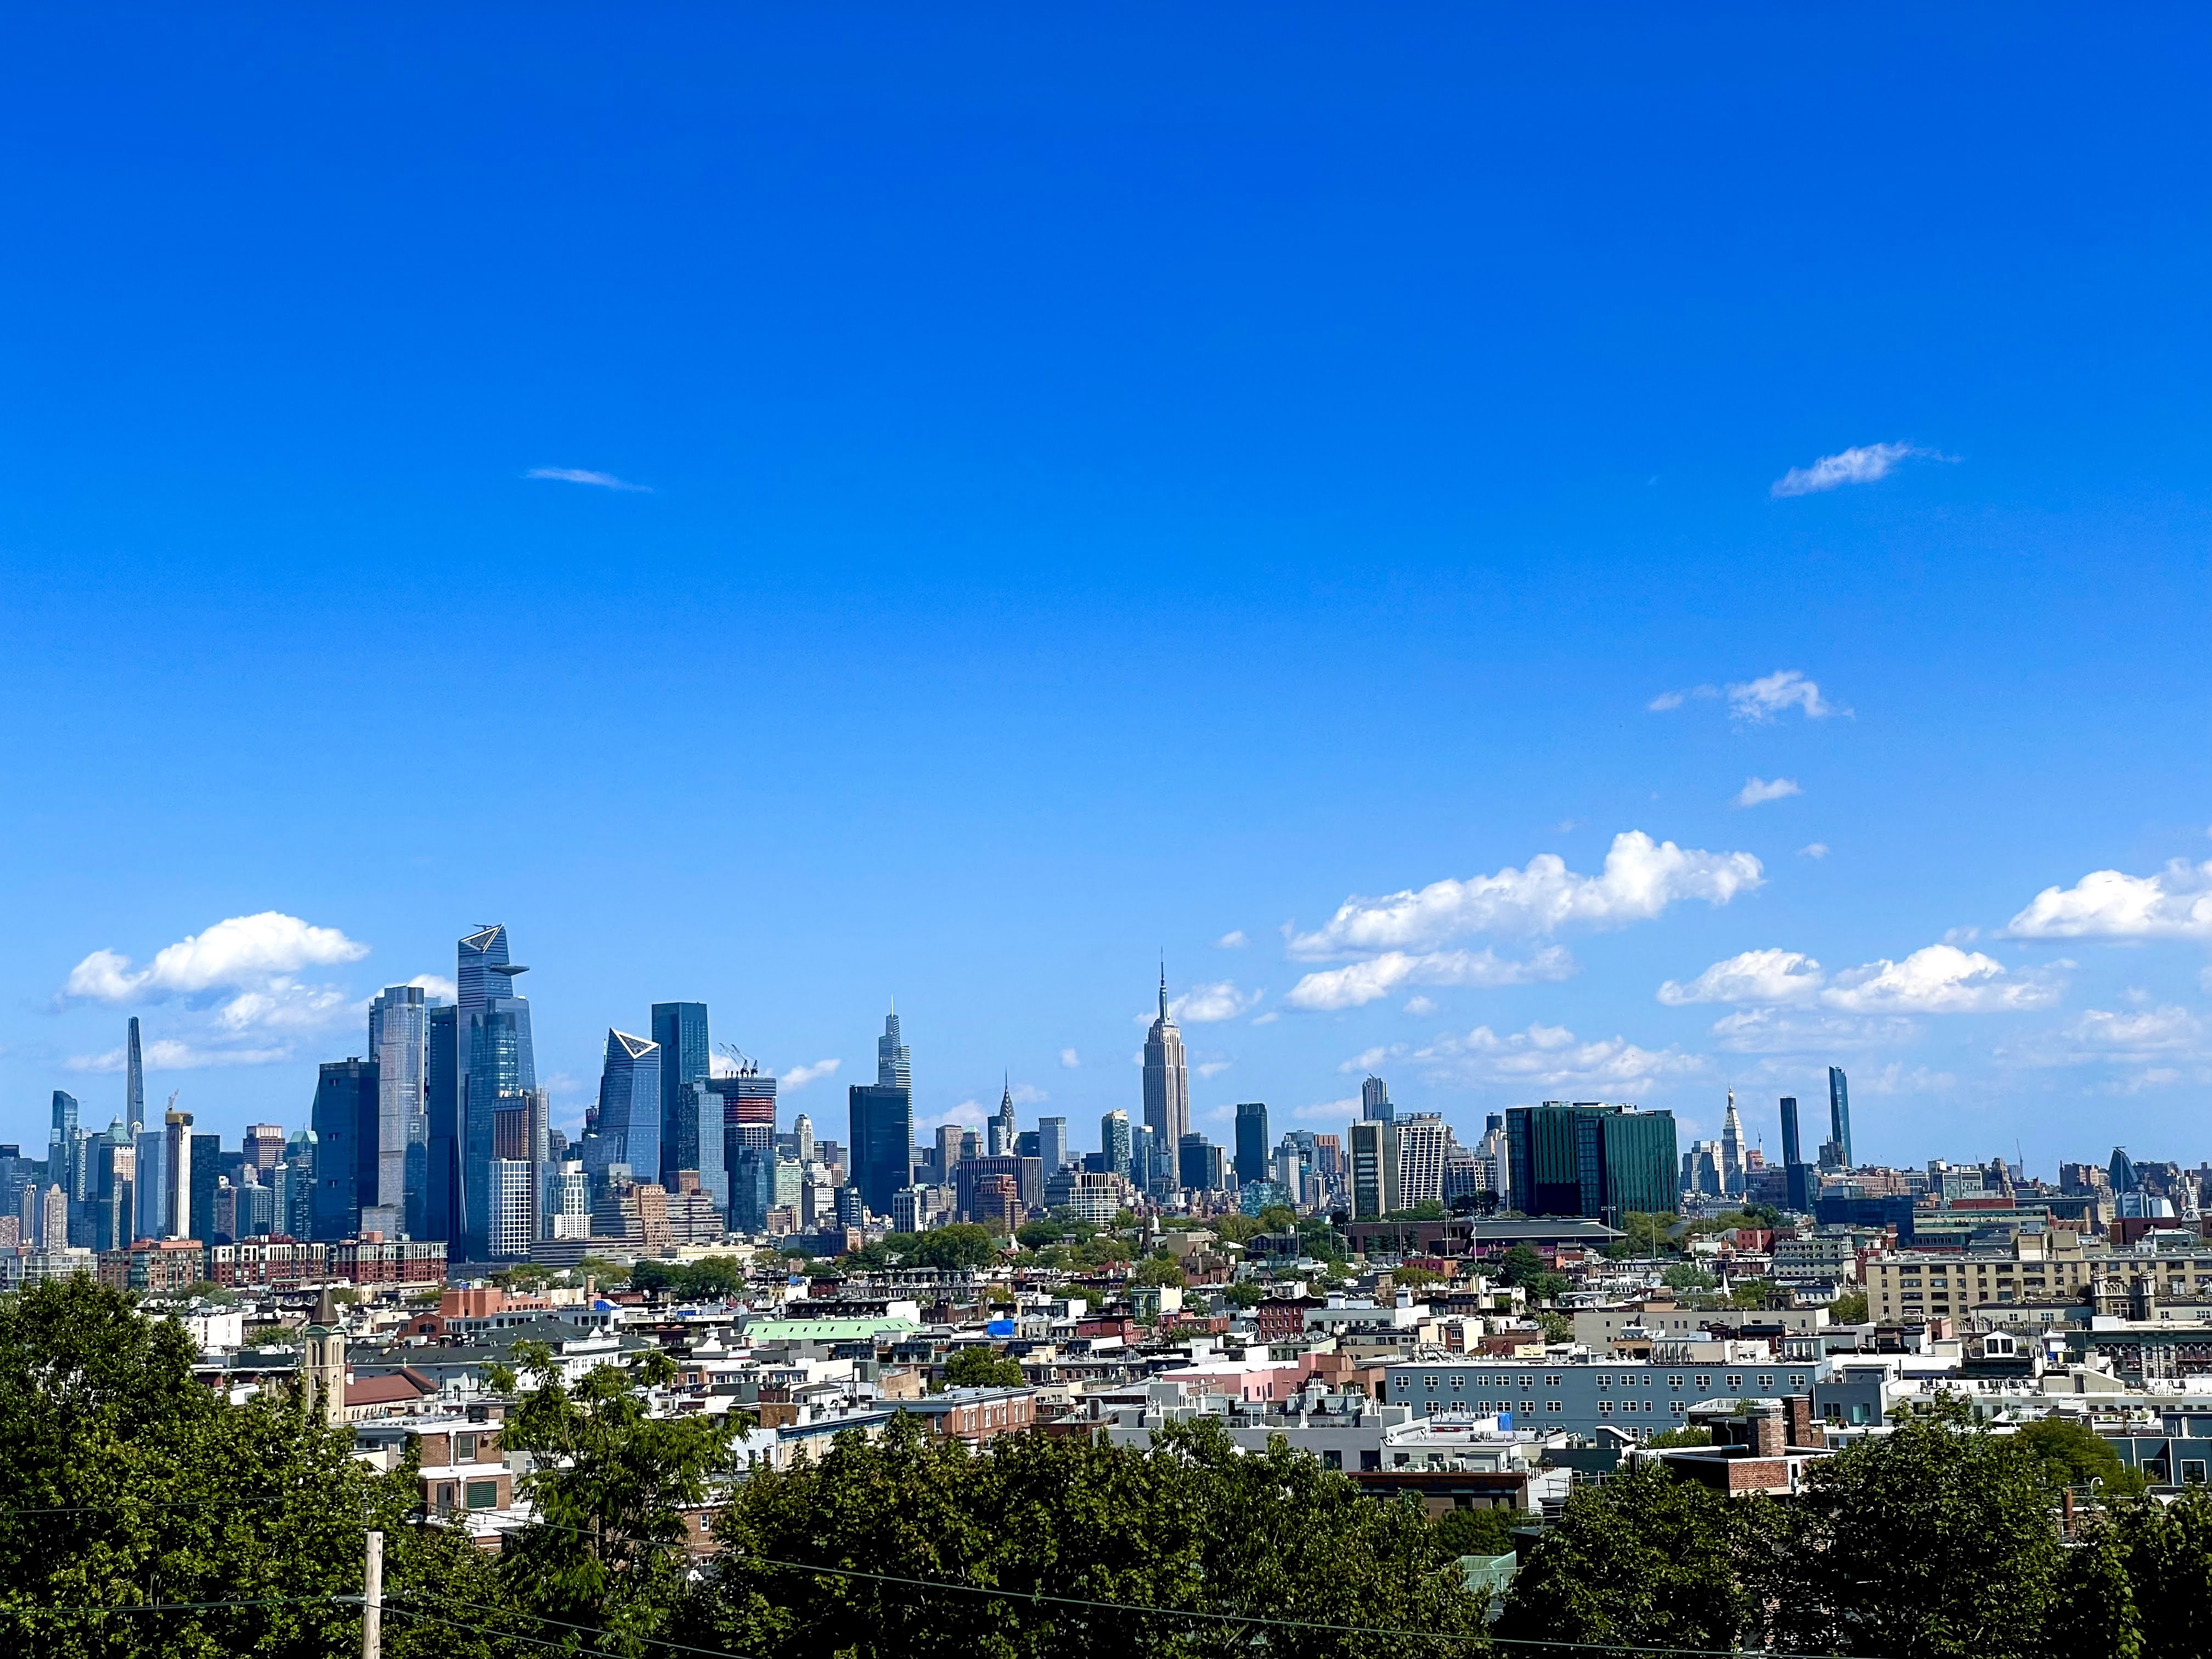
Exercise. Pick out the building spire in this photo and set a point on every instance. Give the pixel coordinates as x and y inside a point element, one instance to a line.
<point>1164,987</point>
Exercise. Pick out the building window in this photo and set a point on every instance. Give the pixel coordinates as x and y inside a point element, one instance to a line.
<point>1553,1406</point>
<point>1370,1460</point>
<point>1604,1380</point>
<point>1674,1381</point>
<point>1552,1381</point>
<point>483,1494</point>
<point>1704,1382</point>
<point>1767,1379</point>
<point>465,1448</point>
<point>1735,1381</point>
<point>1331,1459</point>
<point>1605,1408</point>
<point>1677,1407</point>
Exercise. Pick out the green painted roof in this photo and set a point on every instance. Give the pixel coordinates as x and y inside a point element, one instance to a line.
<point>824,1330</point>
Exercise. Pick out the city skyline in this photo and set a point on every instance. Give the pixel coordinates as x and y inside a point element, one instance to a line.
<point>1506,592</point>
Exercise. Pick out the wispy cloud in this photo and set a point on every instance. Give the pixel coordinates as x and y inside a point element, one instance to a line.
<point>1069,1059</point>
<point>1814,849</point>
<point>1757,702</point>
<point>1234,939</point>
<point>1213,1069</point>
<point>1757,791</point>
<point>1863,464</point>
<point>1359,983</point>
<point>578,475</point>
<point>800,1076</point>
<point>1936,979</point>
<point>167,1055</point>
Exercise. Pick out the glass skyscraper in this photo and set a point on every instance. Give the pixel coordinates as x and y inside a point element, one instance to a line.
<point>882,1153</point>
<point>629,1111</point>
<point>345,1119</point>
<point>496,1064</point>
<point>1251,1142</point>
<point>398,1042</point>
<point>1839,1113</point>
<point>1588,1159</point>
<point>680,1029</point>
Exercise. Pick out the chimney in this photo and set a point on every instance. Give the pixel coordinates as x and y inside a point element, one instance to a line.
<point>1805,1429</point>
<point>1769,1436</point>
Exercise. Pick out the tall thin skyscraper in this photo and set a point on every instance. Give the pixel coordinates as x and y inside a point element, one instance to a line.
<point>134,1080</point>
<point>61,1144</point>
<point>1167,1081</point>
<point>398,1042</point>
<point>1790,1148</point>
<point>442,1089</point>
<point>893,1068</point>
<point>497,1065</point>
<point>1797,1183</point>
<point>1732,1159</point>
<point>1374,1101</point>
<point>881,1126</point>
<point>1839,1113</point>
<point>680,1029</point>
<point>1114,1142</point>
<point>1052,1143</point>
<point>1001,1127</point>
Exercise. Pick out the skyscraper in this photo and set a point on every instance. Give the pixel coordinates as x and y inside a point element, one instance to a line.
<point>882,1137</point>
<point>1251,1142</point>
<point>1421,1139</point>
<point>1114,1144</point>
<point>1052,1143</point>
<point>893,1069</point>
<point>1796,1177</point>
<point>134,1080</point>
<point>441,1092</point>
<point>348,1103</point>
<point>1590,1159</point>
<point>629,1110</point>
<point>1001,1127</point>
<point>400,1043</point>
<point>1732,1162</point>
<point>494,1060</point>
<point>1839,1115</point>
<point>680,1029</point>
<point>1374,1169</point>
<point>1374,1101</point>
<point>1167,1086</point>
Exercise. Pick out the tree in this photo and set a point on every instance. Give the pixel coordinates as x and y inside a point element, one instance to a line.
<point>1686,1276</point>
<point>1189,1524</point>
<point>1161,1269</point>
<point>1644,1560</point>
<point>980,1366</point>
<point>2071,1455</point>
<point>962,1246</point>
<point>611,1482</point>
<point>1935,1541</point>
<point>1476,1532</point>
<point>1848,1309</point>
<point>2167,1551</point>
<point>1686,1436</point>
<point>1649,1232</point>
<point>1412,1279</point>
<point>1244,1294</point>
<point>125,1481</point>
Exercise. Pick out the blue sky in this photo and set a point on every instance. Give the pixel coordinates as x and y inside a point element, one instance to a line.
<point>1105,484</point>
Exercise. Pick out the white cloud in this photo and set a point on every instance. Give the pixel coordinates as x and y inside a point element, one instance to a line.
<point>1233,941</point>
<point>1863,464</point>
<point>1324,1111</point>
<point>166,1054</point>
<point>1769,976</point>
<point>1028,1095</point>
<point>1551,1056</point>
<point>1757,702</point>
<point>1757,791</point>
<point>969,1115</point>
<point>800,1076</point>
<point>1671,700</point>
<point>1069,1059</point>
<point>2167,1029</point>
<point>1213,1069</point>
<point>240,951</point>
<point>721,1065</point>
<point>1640,879</point>
<point>1267,1018</point>
<point>2175,903</point>
<point>437,986</point>
<point>1937,978</point>
<point>1420,1006</point>
<point>282,1004</point>
<point>1368,1059</point>
<point>1361,983</point>
<point>1209,1004</point>
<point>579,476</point>
<point>1814,849</point>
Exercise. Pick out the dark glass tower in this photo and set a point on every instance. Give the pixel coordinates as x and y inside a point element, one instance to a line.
<point>1798,1179</point>
<point>1590,1160</point>
<point>630,1108</point>
<point>882,1123</point>
<point>496,1066</point>
<point>1251,1142</point>
<point>680,1029</point>
<point>441,1100</point>
<point>134,1081</point>
<point>345,1122</point>
<point>1839,1115</point>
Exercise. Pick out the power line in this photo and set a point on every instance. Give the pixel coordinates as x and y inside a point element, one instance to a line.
<point>561,1623</point>
<point>97,1610</point>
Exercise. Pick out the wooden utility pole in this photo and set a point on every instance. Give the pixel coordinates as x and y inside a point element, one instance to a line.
<point>372,1599</point>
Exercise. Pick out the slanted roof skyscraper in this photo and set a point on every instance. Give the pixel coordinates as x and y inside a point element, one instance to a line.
<point>893,1070</point>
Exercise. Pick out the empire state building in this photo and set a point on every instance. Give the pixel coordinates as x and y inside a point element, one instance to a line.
<point>1167,1082</point>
